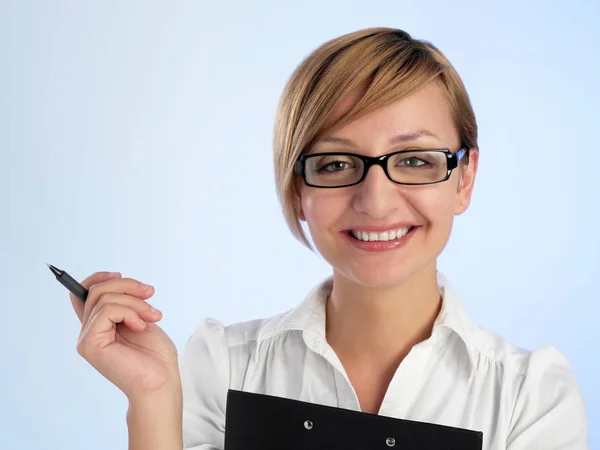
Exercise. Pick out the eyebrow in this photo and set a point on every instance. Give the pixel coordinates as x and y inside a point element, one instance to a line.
<point>399,139</point>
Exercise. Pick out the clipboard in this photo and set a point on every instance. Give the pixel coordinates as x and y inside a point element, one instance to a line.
<point>265,422</point>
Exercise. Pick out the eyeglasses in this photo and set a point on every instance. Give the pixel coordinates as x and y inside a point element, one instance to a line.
<point>410,167</point>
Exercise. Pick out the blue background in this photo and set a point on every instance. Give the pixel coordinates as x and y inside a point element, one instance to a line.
<point>136,137</point>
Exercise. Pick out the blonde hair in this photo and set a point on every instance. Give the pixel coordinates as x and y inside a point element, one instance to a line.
<point>392,63</point>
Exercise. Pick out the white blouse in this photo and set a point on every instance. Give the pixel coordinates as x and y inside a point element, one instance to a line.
<point>462,376</point>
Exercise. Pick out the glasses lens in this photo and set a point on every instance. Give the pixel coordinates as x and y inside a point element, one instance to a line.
<point>333,170</point>
<point>418,167</point>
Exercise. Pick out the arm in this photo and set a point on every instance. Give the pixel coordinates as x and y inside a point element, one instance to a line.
<point>192,414</point>
<point>154,423</point>
<point>205,377</point>
<point>549,411</point>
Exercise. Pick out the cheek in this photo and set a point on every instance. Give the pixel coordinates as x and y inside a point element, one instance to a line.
<point>322,210</point>
<point>436,206</point>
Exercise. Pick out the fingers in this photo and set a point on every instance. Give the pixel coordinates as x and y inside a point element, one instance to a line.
<point>125,286</point>
<point>97,277</point>
<point>143,309</point>
<point>99,333</point>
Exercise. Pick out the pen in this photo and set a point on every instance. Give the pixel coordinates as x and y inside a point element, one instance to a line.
<point>69,282</point>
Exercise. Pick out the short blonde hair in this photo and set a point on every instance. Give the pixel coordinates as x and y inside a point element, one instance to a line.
<point>392,63</point>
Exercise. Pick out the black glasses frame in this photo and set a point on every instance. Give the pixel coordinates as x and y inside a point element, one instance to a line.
<point>452,160</point>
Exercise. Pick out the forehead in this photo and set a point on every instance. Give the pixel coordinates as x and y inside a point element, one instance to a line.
<point>425,109</point>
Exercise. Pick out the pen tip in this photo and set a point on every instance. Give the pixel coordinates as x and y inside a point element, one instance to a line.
<point>54,270</point>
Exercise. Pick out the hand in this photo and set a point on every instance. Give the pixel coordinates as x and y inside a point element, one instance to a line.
<point>136,355</point>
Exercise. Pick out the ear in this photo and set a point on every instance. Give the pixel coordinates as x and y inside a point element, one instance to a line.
<point>466,182</point>
<point>298,207</point>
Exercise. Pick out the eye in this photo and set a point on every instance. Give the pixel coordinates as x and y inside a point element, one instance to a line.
<point>334,164</point>
<point>412,161</point>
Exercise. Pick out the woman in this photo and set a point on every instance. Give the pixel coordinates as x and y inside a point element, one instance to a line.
<point>376,151</point>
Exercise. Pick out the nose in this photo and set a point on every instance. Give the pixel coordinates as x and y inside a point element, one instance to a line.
<point>377,195</point>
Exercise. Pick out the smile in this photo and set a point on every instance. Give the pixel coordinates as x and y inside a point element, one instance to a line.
<point>372,236</point>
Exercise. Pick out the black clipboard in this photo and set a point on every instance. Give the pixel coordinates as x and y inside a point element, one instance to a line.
<point>265,422</point>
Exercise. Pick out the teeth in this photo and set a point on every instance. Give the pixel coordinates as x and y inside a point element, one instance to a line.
<point>383,236</point>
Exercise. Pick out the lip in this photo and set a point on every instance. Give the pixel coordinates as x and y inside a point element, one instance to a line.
<point>381,228</point>
<point>381,246</point>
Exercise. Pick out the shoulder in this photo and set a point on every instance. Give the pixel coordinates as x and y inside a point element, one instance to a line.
<point>217,345</point>
<point>236,334</point>
<point>530,370</point>
<point>547,408</point>
<point>214,360</point>
<point>487,345</point>
<point>545,361</point>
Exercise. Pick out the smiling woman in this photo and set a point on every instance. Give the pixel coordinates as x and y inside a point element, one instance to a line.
<point>427,188</point>
<point>338,84</point>
<point>375,149</point>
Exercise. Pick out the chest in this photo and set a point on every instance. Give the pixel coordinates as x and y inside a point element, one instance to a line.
<point>370,396</point>
<point>370,385</point>
<point>436,388</point>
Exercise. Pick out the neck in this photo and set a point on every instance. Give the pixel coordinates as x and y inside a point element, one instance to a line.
<point>381,324</point>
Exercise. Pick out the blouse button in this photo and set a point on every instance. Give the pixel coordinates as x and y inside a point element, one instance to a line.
<point>390,442</point>
<point>308,424</point>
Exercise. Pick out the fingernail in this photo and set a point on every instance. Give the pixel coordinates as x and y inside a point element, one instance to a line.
<point>154,310</point>
<point>113,274</point>
<point>146,287</point>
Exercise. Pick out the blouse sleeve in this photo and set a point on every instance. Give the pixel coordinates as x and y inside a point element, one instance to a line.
<point>549,411</point>
<point>204,368</point>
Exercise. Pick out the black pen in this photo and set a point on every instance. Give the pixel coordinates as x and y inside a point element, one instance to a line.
<point>70,283</point>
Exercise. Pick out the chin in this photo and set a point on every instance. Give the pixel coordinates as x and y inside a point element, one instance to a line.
<point>377,276</point>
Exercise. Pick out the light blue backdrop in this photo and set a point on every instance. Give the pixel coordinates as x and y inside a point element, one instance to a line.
<point>136,136</point>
